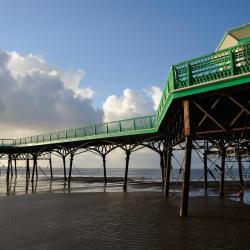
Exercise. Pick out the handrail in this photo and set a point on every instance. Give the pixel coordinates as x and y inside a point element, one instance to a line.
<point>214,66</point>
<point>6,142</point>
<point>134,124</point>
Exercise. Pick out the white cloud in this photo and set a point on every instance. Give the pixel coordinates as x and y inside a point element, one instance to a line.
<point>28,65</point>
<point>132,103</point>
<point>84,93</point>
<point>155,93</point>
<point>38,97</point>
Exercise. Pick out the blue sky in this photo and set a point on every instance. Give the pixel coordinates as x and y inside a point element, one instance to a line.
<point>120,44</point>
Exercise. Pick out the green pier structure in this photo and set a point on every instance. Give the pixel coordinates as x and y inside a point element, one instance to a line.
<point>205,105</point>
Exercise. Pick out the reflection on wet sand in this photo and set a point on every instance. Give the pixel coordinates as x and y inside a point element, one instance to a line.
<point>22,185</point>
<point>11,185</point>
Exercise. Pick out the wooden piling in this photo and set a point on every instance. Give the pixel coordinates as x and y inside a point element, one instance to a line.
<point>186,177</point>
<point>187,160</point>
<point>126,170</point>
<point>222,178</point>
<point>104,169</point>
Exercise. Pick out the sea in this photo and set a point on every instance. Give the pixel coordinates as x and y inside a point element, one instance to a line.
<point>91,180</point>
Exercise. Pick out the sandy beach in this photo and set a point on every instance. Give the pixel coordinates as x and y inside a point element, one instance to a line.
<point>132,220</point>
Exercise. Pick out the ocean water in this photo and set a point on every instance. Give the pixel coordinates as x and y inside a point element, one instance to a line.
<point>138,180</point>
<point>140,174</point>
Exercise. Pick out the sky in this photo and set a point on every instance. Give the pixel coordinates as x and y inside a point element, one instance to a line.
<point>70,63</point>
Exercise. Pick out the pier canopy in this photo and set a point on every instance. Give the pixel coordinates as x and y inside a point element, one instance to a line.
<point>235,36</point>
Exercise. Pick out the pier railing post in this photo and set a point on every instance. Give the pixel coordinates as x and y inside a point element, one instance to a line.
<point>104,169</point>
<point>126,170</point>
<point>187,160</point>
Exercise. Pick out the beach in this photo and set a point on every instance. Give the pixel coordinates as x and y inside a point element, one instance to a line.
<point>130,220</point>
<point>87,215</point>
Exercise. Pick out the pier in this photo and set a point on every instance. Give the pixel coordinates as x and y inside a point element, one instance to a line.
<point>205,107</point>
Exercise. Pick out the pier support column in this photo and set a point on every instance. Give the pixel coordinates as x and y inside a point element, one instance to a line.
<point>50,168</point>
<point>162,167</point>
<point>240,170</point>
<point>222,177</point>
<point>205,170</point>
<point>167,160</point>
<point>128,152</point>
<point>187,159</point>
<point>34,168</point>
<point>27,168</point>
<point>186,177</point>
<point>15,167</point>
<point>8,168</point>
<point>11,167</point>
<point>70,167</point>
<point>64,167</point>
<point>104,169</point>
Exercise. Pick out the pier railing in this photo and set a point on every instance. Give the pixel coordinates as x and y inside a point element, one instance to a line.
<point>6,142</point>
<point>215,66</point>
<point>135,124</point>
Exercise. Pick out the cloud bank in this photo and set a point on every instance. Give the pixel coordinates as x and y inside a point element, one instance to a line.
<point>37,97</point>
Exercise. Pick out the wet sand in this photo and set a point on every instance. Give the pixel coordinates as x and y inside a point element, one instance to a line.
<point>132,220</point>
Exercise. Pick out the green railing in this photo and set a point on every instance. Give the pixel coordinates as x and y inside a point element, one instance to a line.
<point>224,63</point>
<point>136,124</point>
<point>6,142</point>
